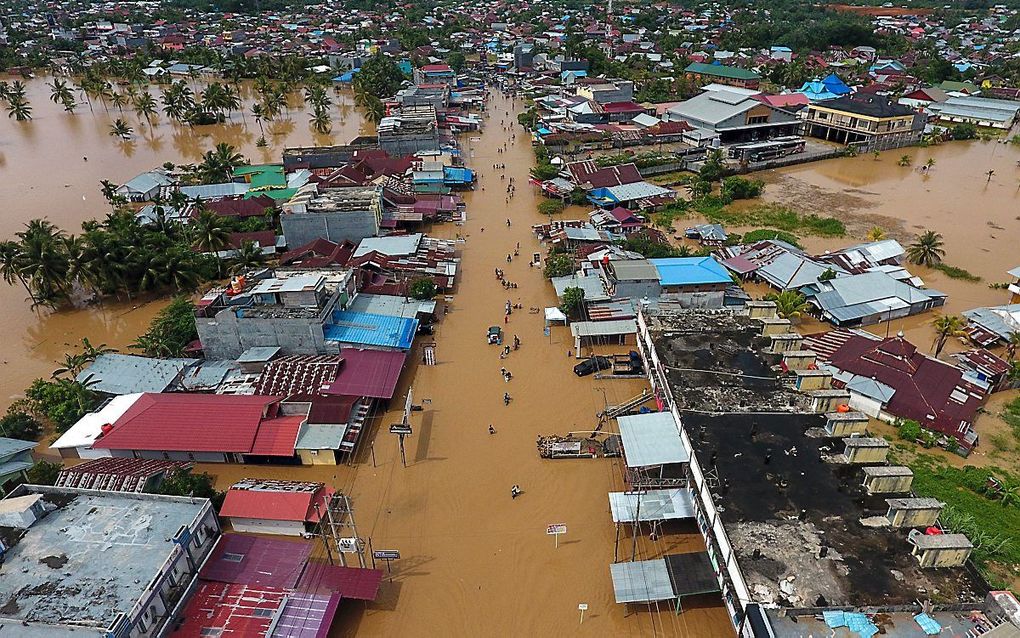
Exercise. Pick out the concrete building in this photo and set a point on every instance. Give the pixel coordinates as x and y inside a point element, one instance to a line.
<point>411,130</point>
<point>607,91</point>
<point>632,278</point>
<point>349,213</point>
<point>721,74</point>
<point>870,120</point>
<point>941,550</point>
<point>94,563</point>
<point>888,479</point>
<point>284,309</point>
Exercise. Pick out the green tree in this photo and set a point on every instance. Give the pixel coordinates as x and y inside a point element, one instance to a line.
<point>209,231</point>
<point>550,207</point>
<point>946,326</point>
<point>44,473</point>
<point>573,301</point>
<point>121,129</point>
<point>171,330</point>
<point>964,131</point>
<point>905,160</point>
<point>379,76</point>
<point>219,164</point>
<point>247,257</point>
<point>713,166</point>
<point>908,430</point>
<point>736,187</point>
<point>558,265</point>
<point>790,304</point>
<point>423,288</point>
<point>18,424</point>
<point>62,402</point>
<point>186,483</point>
<point>927,249</point>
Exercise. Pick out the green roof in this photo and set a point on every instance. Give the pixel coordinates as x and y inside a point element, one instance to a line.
<point>262,175</point>
<point>277,194</point>
<point>718,70</point>
<point>951,85</point>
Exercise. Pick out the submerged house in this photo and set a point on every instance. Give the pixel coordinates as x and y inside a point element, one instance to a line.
<point>867,298</point>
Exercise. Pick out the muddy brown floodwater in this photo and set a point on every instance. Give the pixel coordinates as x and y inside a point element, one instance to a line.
<point>43,174</point>
<point>475,562</point>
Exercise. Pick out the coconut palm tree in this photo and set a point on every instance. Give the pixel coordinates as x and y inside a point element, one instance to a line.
<point>121,129</point>
<point>929,163</point>
<point>259,113</point>
<point>946,326</point>
<point>790,304</point>
<point>375,109</point>
<point>1012,342</point>
<point>118,100</point>
<point>109,189</point>
<point>321,122</point>
<point>145,106</point>
<point>219,163</point>
<point>876,234</point>
<point>905,160</point>
<point>209,232</point>
<point>247,257</point>
<point>19,108</point>
<point>11,264</point>
<point>60,93</point>
<point>927,249</point>
<point>43,261</point>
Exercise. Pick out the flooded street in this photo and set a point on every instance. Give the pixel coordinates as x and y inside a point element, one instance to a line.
<point>44,175</point>
<point>473,560</point>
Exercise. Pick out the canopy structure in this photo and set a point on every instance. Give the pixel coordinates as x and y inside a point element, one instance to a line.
<point>652,439</point>
<point>651,505</point>
<point>645,581</point>
<point>670,578</point>
<point>554,314</point>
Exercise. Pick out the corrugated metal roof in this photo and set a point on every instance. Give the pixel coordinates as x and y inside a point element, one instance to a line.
<point>651,505</point>
<point>641,581</point>
<point>652,439</point>
<point>680,271</point>
<point>603,328</point>
<point>368,373</point>
<point>275,501</point>
<point>113,373</point>
<point>89,427</point>
<point>189,423</point>
<point>277,437</point>
<point>363,328</point>
<point>391,245</point>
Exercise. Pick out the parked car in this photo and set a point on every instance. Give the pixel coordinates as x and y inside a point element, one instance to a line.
<point>591,365</point>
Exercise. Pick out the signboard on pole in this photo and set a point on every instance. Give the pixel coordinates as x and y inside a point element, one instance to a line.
<point>386,554</point>
<point>348,545</point>
<point>401,429</point>
<point>555,530</point>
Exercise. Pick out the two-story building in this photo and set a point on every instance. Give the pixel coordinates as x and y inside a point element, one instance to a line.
<point>722,74</point>
<point>868,120</point>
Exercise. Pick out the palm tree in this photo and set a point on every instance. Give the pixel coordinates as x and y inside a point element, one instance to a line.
<point>321,122</point>
<point>989,174</point>
<point>375,109</point>
<point>109,189</point>
<point>145,106</point>
<point>905,160</point>
<point>43,261</point>
<point>11,264</point>
<point>209,232</point>
<point>120,129</point>
<point>219,164</point>
<point>19,108</point>
<point>790,304</point>
<point>929,163</point>
<point>60,93</point>
<point>876,234</point>
<point>1012,342</point>
<point>946,326</point>
<point>119,100</point>
<point>259,113</point>
<point>247,257</point>
<point>927,249</point>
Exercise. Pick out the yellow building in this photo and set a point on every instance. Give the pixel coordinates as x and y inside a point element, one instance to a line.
<point>863,119</point>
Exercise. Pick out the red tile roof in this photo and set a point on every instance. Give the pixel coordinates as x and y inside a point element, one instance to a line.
<point>368,373</point>
<point>262,239</point>
<point>189,423</point>
<point>275,505</point>
<point>319,253</point>
<point>239,207</point>
<point>587,172</point>
<point>115,474</point>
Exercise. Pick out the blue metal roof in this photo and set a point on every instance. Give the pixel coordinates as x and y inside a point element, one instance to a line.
<point>371,330</point>
<point>679,271</point>
<point>457,175</point>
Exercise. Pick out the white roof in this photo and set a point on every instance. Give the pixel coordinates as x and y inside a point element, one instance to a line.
<point>554,314</point>
<point>89,427</point>
<point>294,283</point>
<point>652,439</point>
<point>392,245</point>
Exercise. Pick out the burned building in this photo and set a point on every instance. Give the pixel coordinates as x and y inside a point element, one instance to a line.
<point>789,504</point>
<point>411,130</point>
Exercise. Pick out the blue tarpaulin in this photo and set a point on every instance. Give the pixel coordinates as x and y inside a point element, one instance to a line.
<point>929,625</point>
<point>363,328</point>
<point>457,175</point>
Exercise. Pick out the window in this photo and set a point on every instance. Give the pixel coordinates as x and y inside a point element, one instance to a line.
<point>822,115</point>
<point>758,119</point>
<point>233,558</point>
